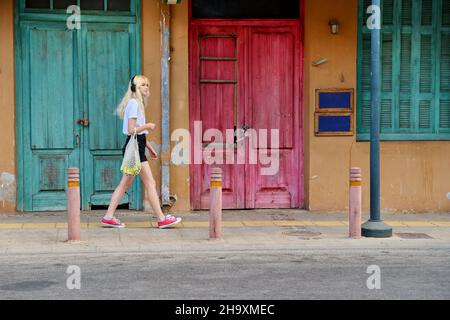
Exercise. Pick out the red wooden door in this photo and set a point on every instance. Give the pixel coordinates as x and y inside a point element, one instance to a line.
<point>217,52</point>
<point>248,75</point>
<point>274,104</point>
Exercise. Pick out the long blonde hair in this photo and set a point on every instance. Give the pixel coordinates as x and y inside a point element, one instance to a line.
<point>138,80</point>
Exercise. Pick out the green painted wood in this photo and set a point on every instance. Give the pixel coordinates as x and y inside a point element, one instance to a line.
<point>414,59</point>
<point>49,107</point>
<point>52,90</point>
<point>109,65</point>
<point>396,67</point>
<point>55,68</point>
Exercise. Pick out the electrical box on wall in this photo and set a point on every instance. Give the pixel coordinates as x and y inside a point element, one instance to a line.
<point>334,112</point>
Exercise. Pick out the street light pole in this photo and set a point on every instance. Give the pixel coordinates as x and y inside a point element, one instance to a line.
<point>375,227</point>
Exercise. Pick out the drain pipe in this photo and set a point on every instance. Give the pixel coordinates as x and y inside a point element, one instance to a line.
<point>167,200</point>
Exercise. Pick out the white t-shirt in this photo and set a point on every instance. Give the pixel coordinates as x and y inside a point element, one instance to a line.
<point>132,111</point>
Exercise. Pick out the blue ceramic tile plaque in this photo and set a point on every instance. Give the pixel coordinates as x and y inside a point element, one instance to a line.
<point>334,112</point>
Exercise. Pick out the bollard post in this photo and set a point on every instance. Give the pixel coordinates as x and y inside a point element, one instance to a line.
<point>355,203</point>
<point>215,204</point>
<point>73,204</point>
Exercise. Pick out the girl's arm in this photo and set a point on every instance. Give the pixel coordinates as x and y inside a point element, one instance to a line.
<point>153,153</point>
<point>132,126</point>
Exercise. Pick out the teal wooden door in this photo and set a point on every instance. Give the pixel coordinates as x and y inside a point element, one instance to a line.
<point>63,76</point>
<point>107,50</point>
<point>50,106</point>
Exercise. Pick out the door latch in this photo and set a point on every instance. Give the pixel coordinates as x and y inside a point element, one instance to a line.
<point>83,121</point>
<point>244,129</point>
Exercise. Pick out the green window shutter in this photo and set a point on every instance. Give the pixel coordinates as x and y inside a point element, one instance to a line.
<point>425,64</point>
<point>427,12</point>
<point>386,115</point>
<point>365,80</point>
<point>386,123</point>
<point>405,64</point>
<point>445,63</point>
<point>446,13</point>
<point>388,12</point>
<point>364,112</point>
<point>406,12</point>
<point>386,63</point>
<point>424,115</point>
<point>405,114</point>
<point>444,115</point>
<point>444,103</point>
<point>415,79</point>
<point>366,116</point>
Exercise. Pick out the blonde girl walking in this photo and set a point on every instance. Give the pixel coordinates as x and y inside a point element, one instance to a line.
<point>132,111</point>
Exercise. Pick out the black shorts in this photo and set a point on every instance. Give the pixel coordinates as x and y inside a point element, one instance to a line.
<point>142,142</point>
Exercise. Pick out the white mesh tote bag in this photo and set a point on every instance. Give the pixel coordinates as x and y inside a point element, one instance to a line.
<point>131,164</point>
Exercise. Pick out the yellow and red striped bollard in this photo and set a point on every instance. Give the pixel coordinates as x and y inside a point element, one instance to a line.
<point>355,195</point>
<point>215,204</point>
<point>73,204</point>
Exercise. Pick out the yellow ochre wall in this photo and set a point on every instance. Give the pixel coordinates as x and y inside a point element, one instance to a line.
<point>415,176</point>
<point>179,108</point>
<point>7,109</point>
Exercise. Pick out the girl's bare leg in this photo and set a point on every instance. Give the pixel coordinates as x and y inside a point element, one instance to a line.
<point>150,186</point>
<point>117,196</point>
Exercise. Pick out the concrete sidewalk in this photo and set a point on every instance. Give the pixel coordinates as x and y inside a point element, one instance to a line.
<point>242,230</point>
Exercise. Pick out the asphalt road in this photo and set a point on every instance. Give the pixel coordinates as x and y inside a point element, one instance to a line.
<point>239,274</point>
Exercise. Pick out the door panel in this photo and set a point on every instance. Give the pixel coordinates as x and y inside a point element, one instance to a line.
<point>52,89</point>
<point>48,55</point>
<point>217,79</point>
<point>274,105</point>
<point>108,65</point>
<point>272,73</point>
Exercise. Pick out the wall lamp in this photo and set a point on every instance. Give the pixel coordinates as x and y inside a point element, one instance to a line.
<point>334,26</point>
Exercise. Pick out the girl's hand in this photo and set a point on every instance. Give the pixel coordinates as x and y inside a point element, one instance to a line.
<point>150,126</point>
<point>153,154</point>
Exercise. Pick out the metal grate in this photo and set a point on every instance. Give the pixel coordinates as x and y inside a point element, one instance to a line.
<point>413,236</point>
<point>303,234</point>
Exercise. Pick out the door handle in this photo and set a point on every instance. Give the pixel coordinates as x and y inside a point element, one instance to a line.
<point>77,139</point>
<point>83,121</point>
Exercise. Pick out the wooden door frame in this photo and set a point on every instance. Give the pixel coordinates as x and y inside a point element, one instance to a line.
<point>20,14</point>
<point>299,66</point>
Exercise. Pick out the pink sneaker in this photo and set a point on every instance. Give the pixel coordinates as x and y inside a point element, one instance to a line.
<point>168,222</point>
<point>114,223</point>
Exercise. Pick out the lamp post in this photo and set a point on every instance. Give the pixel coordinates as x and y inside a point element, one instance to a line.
<point>375,227</point>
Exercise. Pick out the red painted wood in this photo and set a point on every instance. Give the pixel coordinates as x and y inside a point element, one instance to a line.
<point>214,105</point>
<point>274,104</point>
<point>269,88</point>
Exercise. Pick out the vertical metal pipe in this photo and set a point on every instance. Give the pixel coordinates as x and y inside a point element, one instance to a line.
<point>375,227</point>
<point>165,98</point>
<point>375,124</point>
